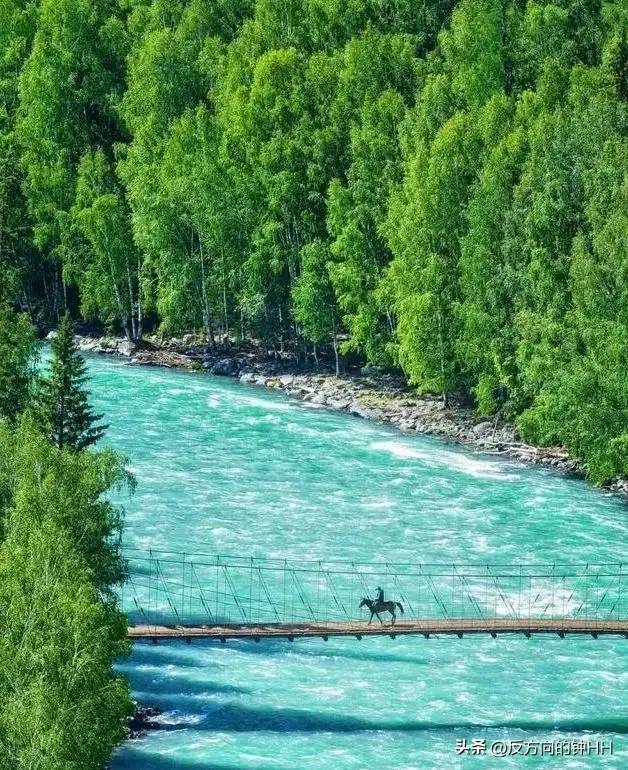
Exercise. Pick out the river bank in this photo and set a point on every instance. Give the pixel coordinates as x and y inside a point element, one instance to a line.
<point>367,394</point>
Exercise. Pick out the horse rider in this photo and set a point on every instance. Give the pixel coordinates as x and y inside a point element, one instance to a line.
<point>380,595</point>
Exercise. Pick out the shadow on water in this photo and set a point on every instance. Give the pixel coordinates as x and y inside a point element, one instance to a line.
<point>286,648</point>
<point>233,717</point>
<point>360,655</point>
<point>155,682</point>
<point>136,759</point>
<point>166,654</point>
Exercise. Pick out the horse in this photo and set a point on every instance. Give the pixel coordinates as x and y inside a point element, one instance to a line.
<point>376,607</point>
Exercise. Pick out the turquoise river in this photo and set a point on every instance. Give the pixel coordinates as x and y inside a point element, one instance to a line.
<point>229,468</point>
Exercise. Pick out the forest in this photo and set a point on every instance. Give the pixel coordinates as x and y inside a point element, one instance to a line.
<point>433,187</point>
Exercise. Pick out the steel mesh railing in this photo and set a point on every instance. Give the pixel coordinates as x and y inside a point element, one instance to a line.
<point>198,589</point>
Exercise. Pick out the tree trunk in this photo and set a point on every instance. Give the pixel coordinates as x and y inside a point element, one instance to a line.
<point>335,344</point>
<point>205,304</point>
<point>441,346</point>
<point>45,283</point>
<point>124,319</point>
<point>131,300</point>
<point>281,348</point>
<point>224,296</point>
<point>140,317</point>
<point>57,284</point>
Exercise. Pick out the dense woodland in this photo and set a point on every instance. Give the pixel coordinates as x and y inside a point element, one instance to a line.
<point>433,186</point>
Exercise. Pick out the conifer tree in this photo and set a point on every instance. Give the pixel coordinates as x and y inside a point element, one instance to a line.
<point>63,408</point>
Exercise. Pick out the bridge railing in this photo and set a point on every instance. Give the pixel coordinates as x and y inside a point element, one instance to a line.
<point>195,589</point>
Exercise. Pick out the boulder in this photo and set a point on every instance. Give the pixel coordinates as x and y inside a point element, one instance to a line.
<point>337,404</point>
<point>248,377</point>
<point>226,367</point>
<point>481,428</point>
<point>144,718</point>
<point>365,413</point>
<point>126,347</point>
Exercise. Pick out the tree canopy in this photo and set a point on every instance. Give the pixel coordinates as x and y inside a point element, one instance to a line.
<point>435,187</point>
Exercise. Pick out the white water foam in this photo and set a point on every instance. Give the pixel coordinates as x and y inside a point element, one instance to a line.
<point>469,465</point>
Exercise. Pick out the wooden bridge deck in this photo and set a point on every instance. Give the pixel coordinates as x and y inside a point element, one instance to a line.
<point>450,626</point>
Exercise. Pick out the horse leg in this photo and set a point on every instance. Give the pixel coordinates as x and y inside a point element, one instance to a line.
<point>394,617</point>
<point>371,618</point>
<point>379,618</point>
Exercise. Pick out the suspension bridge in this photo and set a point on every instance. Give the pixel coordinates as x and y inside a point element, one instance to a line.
<point>170,595</point>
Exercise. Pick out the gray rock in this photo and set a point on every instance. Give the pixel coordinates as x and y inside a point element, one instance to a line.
<point>249,377</point>
<point>226,367</point>
<point>126,348</point>
<point>336,404</point>
<point>371,371</point>
<point>482,428</point>
<point>446,427</point>
<point>318,398</point>
<point>365,413</point>
<point>286,380</point>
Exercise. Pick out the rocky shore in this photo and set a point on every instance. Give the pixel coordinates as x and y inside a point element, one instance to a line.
<point>367,394</point>
<point>144,718</point>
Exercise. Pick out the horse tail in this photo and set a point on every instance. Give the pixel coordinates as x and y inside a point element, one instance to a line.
<point>400,607</point>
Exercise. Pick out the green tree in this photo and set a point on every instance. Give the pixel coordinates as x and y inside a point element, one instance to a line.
<point>68,92</point>
<point>16,362</point>
<point>61,706</point>
<point>356,215</point>
<point>99,253</point>
<point>19,266</point>
<point>62,401</point>
<point>313,298</point>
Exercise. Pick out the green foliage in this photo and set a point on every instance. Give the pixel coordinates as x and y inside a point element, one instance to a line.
<point>584,404</point>
<point>17,258</point>
<point>61,707</point>
<point>68,489</point>
<point>65,104</point>
<point>60,704</point>
<point>313,296</point>
<point>62,400</point>
<point>99,253</point>
<point>16,362</point>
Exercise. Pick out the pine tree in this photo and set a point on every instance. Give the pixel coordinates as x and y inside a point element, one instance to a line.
<point>63,407</point>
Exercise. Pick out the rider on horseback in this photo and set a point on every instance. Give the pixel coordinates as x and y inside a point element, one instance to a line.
<point>379,605</point>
